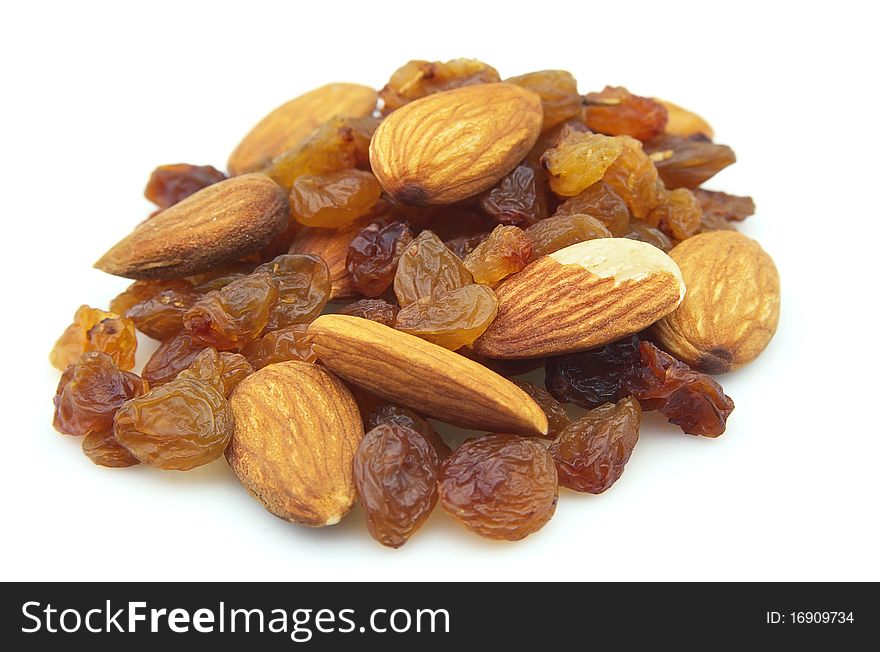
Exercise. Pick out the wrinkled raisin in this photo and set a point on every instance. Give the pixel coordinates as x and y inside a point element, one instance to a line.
<point>500,486</point>
<point>560,231</point>
<point>172,357</point>
<point>728,207</point>
<point>303,283</point>
<point>592,378</point>
<point>284,344</point>
<point>639,230</point>
<point>333,200</point>
<point>428,268</point>
<point>688,162</point>
<point>231,317</point>
<point>591,452</point>
<point>558,91</point>
<point>395,475</point>
<point>180,425</point>
<point>506,251</point>
<point>579,160</point>
<point>462,245</point>
<point>377,310</point>
<point>103,449</point>
<point>140,291</point>
<point>687,398</point>
<point>89,393</point>
<point>161,316</point>
<point>373,256</point>
<point>222,371</point>
<point>557,418</point>
<point>602,203</point>
<point>617,112</point>
<point>170,184</point>
<point>634,178</point>
<point>452,319</point>
<point>397,415</point>
<point>520,198</point>
<point>417,79</point>
<point>96,330</point>
<point>678,214</point>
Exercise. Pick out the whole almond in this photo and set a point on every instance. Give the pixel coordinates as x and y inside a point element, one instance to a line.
<point>731,309</point>
<point>220,223</point>
<point>425,377</point>
<point>455,144</point>
<point>580,297</point>
<point>284,127</point>
<point>297,428</point>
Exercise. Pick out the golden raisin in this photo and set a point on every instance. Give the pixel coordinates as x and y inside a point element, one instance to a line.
<point>222,371</point>
<point>377,310</point>
<point>170,184</point>
<point>303,283</point>
<point>452,319</point>
<point>103,449</point>
<point>333,200</point>
<point>96,330</point>
<point>560,231</point>
<point>558,91</point>
<point>678,214</point>
<point>397,415</point>
<point>417,79</point>
<point>557,418</point>
<point>520,198</point>
<point>601,202</point>
<point>172,357</point>
<point>617,112</point>
<point>633,177</point>
<point>688,162</point>
<point>284,344</point>
<point>579,160</point>
<point>427,267</point>
<point>506,251</point>
<point>161,316</point>
<point>373,256</point>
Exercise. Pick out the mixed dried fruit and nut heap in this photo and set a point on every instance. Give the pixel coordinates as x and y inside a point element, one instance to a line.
<point>377,259</point>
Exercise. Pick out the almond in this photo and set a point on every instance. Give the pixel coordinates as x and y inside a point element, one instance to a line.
<point>297,428</point>
<point>455,144</point>
<point>433,381</point>
<point>580,297</point>
<point>731,309</point>
<point>284,127</point>
<point>220,223</point>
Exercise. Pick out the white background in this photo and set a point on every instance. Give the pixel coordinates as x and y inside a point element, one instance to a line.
<point>96,95</point>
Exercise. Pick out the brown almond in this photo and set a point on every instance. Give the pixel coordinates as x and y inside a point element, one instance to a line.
<point>455,144</point>
<point>221,223</point>
<point>580,297</point>
<point>297,428</point>
<point>425,377</point>
<point>284,127</point>
<point>731,309</point>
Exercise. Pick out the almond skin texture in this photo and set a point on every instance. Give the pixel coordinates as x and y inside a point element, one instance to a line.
<point>422,376</point>
<point>455,144</point>
<point>220,223</point>
<point>731,309</point>
<point>586,295</point>
<point>297,428</point>
<point>284,127</point>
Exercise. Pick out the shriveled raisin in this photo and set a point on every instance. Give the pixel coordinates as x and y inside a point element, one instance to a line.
<point>339,144</point>
<point>728,207</point>
<point>687,398</point>
<point>452,319</point>
<point>333,200</point>
<point>678,214</point>
<point>161,316</point>
<point>180,425</point>
<point>552,137</point>
<point>221,276</point>
<point>579,160</point>
<point>222,371</point>
<point>172,357</point>
<point>140,291</point>
<point>96,330</point>
<point>520,198</point>
<point>303,283</point>
<point>377,310</point>
<point>284,344</point>
<point>373,256</point>
<point>557,418</point>
<point>558,91</point>
<point>639,230</point>
<point>170,184</point>
<point>417,79</point>
<point>462,245</point>
<point>592,378</point>
<point>397,415</point>
<point>634,178</point>
<point>90,392</point>
<point>331,245</point>
<point>688,162</point>
<point>601,202</point>
<point>591,452</point>
<point>428,268</point>
<point>560,231</point>
<point>103,449</point>
<point>500,486</point>
<point>231,317</point>
<point>395,475</point>
<point>506,251</point>
<point>617,112</point>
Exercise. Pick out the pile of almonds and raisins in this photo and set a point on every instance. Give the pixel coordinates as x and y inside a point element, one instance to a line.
<point>373,260</point>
